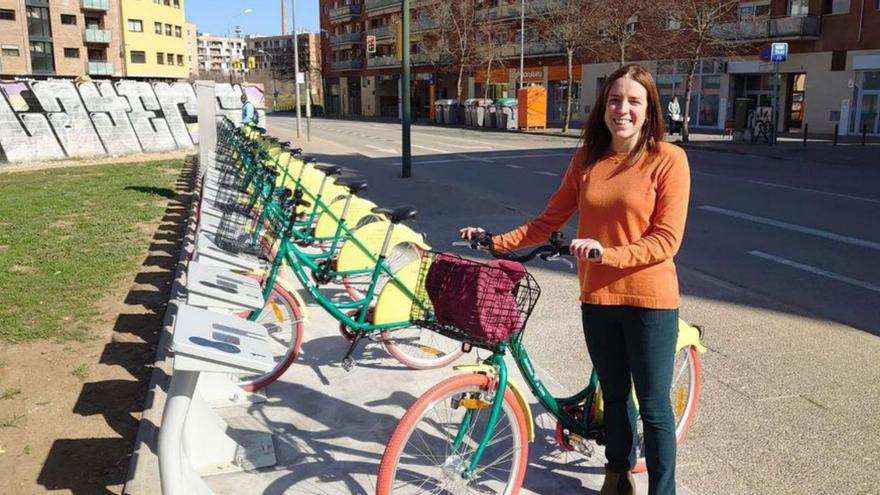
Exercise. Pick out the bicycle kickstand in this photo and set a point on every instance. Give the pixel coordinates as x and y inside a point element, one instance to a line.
<point>347,361</point>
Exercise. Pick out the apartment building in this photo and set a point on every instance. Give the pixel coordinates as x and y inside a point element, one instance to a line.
<point>832,76</point>
<point>220,53</point>
<point>60,38</point>
<point>153,33</point>
<point>274,61</point>
<point>192,49</point>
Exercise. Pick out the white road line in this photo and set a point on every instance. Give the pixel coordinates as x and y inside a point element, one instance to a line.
<point>804,189</point>
<point>383,150</point>
<point>514,166</point>
<point>471,147</point>
<point>551,174</point>
<point>817,271</point>
<point>790,226</point>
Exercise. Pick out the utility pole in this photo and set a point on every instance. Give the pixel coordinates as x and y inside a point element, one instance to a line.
<point>405,89</point>
<point>522,41</point>
<point>296,69</point>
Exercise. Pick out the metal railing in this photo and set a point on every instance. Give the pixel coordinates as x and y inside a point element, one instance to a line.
<point>91,35</point>
<point>95,4</point>
<point>338,39</point>
<point>99,68</point>
<point>385,61</point>
<point>806,27</point>
<point>381,4</point>
<point>347,64</point>
<point>344,12</point>
<point>382,32</point>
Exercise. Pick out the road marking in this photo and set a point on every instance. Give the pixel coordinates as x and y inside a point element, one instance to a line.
<point>847,196</point>
<point>514,166</point>
<point>383,150</point>
<point>471,147</point>
<point>816,271</point>
<point>551,174</point>
<point>790,226</point>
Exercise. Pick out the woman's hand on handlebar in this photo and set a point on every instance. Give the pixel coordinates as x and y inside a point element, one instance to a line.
<point>587,249</point>
<point>471,233</point>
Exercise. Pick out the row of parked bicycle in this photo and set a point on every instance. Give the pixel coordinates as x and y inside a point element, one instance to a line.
<point>268,214</point>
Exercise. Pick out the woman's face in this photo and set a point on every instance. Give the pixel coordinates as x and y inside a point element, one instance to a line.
<point>625,112</point>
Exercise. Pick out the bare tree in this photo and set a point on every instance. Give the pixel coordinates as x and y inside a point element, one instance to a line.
<point>493,41</point>
<point>699,29</point>
<point>456,33</point>
<point>564,23</point>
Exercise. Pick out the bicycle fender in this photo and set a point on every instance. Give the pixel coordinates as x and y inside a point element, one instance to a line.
<point>688,335</point>
<point>517,393</point>
<point>290,290</point>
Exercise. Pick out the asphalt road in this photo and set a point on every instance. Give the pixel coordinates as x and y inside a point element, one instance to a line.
<point>780,262</point>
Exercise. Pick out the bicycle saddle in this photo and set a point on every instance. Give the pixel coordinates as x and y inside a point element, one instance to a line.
<point>352,184</point>
<point>308,159</point>
<point>329,169</point>
<point>397,214</point>
<point>284,144</point>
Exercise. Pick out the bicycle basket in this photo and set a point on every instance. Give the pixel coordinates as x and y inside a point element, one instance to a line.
<point>482,304</point>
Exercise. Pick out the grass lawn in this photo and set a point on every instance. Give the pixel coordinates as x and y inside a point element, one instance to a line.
<point>67,235</point>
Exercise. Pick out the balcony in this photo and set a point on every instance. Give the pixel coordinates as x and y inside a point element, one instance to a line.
<point>382,32</point>
<point>99,68</point>
<point>382,6</point>
<point>102,5</point>
<point>345,13</point>
<point>534,49</point>
<point>423,23</point>
<point>347,64</point>
<point>345,38</point>
<point>386,61</point>
<point>91,35</point>
<point>779,28</point>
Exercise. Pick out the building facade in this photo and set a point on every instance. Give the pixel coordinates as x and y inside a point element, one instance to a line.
<point>218,54</point>
<point>60,38</point>
<point>192,49</point>
<point>830,81</point>
<point>153,33</point>
<point>274,63</point>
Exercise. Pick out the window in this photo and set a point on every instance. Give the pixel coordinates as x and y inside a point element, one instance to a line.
<point>838,60</point>
<point>180,60</point>
<point>9,51</point>
<point>160,58</point>
<point>157,26</point>
<point>798,8</point>
<point>41,56</point>
<point>68,19</point>
<point>170,58</point>
<point>38,22</point>
<point>178,32</point>
<point>7,14</point>
<point>632,24</point>
<point>138,57</point>
<point>136,25</point>
<point>176,4</point>
<point>673,23</point>
<point>167,29</point>
<point>71,53</point>
<point>749,11</point>
<point>835,6</point>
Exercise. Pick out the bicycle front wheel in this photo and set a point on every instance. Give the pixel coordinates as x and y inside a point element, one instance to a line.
<point>422,455</point>
<point>684,394</point>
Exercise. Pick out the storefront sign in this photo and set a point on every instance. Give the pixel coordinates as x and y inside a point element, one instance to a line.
<point>531,75</point>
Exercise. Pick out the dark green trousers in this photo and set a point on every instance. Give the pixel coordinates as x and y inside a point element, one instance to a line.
<point>630,345</point>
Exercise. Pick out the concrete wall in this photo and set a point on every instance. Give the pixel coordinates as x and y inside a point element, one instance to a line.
<point>49,120</point>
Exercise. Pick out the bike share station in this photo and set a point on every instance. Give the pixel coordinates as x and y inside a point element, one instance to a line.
<point>214,422</point>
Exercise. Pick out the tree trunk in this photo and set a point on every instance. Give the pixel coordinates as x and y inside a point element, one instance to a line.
<point>567,123</point>
<point>622,47</point>
<point>488,79</point>
<point>688,90</point>
<point>458,87</point>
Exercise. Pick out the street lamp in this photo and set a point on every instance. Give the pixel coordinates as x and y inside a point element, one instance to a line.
<point>238,29</point>
<point>274,84</point>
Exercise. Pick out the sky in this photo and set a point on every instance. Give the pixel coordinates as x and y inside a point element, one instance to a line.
<point>218,16</point>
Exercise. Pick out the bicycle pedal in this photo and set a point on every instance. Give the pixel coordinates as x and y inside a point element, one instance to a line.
<point>347,363</point>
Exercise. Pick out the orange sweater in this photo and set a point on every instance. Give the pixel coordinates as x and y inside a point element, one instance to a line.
<point>638,213</point>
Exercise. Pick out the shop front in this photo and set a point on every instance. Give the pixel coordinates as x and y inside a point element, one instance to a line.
<point>867,110</point>
<point>706,96</point>
<point>557,86</point>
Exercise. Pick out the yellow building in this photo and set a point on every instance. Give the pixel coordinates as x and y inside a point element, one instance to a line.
<point>154,37</point>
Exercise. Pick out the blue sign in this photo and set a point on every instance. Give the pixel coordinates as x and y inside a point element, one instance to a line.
<point>779,52</point>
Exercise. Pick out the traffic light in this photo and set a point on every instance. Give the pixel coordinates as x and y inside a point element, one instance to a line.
<point>371,44</point>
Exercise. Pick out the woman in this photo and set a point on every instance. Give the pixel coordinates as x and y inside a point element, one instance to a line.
<point>630,190</point>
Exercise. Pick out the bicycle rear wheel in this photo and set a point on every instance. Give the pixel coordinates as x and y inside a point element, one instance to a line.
<point>684,394</point>
<point>420,348</point>
<point>420,457</point>
<point>282,318</point>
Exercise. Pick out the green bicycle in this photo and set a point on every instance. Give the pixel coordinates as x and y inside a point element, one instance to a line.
<point>470,433</point>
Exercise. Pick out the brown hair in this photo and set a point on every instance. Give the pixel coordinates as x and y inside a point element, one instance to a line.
<point>597,138</point>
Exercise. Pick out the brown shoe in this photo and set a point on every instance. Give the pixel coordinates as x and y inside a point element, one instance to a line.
<point>618,484</point>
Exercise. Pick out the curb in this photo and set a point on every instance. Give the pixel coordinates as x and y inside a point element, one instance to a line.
<point>143,469</point>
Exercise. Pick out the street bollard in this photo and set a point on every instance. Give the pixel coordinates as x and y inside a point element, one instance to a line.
<point>806,130</point>
<point>834,142</point>
<point>864,133</point>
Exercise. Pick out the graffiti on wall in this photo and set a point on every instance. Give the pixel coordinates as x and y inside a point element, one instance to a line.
<point>50,120</point>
